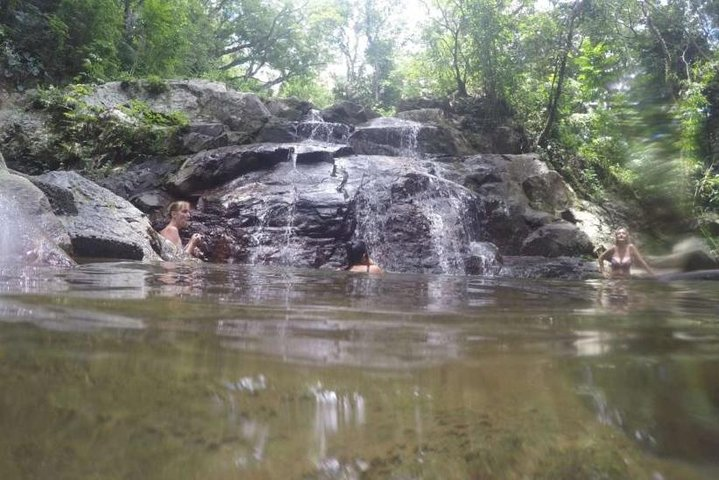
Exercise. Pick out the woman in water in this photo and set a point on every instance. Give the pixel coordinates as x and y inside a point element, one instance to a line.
<point>179,218</point>
<point>621,255</point>
<point>358,259</point>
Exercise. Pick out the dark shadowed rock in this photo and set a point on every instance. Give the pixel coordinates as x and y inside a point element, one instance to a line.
<point>213,168</point>
<point>483,259</point>
<point>557,239</point>
<point>204,136</point>
<point>291,108</point>
<point>348,113</point>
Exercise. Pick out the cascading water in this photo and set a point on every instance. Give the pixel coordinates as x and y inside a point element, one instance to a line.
<point>11,234</point>
<point>444,208</point>
<point>440,216</point>
<point>276,221</point>
<point>21,240</point>
<point>408,142</point>
<point>314,128</point>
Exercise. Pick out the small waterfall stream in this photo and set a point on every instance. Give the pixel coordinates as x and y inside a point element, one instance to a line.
<point>276,221</point>
<point>440,216</point>
<point>314,128</point>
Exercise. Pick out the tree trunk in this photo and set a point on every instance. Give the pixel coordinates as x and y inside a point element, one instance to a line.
<point>559,76</point>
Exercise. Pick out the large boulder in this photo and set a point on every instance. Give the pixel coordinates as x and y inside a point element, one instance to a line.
<point>291,108</point>
<point>202,101</point>
<point>520,195</point>
<point>105,225</point>
<point>557,239</point>
<point>348,113</point>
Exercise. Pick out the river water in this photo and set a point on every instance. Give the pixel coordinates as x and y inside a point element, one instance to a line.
<point>136,371</point>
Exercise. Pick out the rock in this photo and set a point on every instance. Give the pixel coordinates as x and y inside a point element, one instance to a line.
<point>548,191</point>
<point>348,113</point>
<point>483,259</point>
<point>291,108</point>
<point>213,168</point>
<point>30,231</point>
<point>695,275</point>
<point>396,137</point>
<point>567,268</point>
<point>105,226</point>
<point>557,239</point>
<point>200,100</point>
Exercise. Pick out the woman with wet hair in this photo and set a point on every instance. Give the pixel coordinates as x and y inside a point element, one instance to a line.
<point>358,259</point>
<point>179,213</point>
<point>621,255</point>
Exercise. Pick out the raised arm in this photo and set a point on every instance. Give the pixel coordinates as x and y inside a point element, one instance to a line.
<point>634,251</point>
<point>606,254</point>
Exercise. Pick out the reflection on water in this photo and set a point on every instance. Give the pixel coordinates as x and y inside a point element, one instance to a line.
<point>128,370</point>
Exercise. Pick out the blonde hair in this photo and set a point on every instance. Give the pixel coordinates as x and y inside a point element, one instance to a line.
<point>177,205</point>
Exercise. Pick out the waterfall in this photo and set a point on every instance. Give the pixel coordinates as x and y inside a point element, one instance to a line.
<point>314,128</point>
<point>11,232</point>
<point>21,240</point>
<point>444,207</point>
<point>289,249</point>
<point>408,141</point>
<point>441,217</point>
<point>273,239</point>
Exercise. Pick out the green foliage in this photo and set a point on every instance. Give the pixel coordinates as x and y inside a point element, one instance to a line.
<point>309,89</point>
<point>155,85</point>
<point>141,111</point>
<point>94,139</point>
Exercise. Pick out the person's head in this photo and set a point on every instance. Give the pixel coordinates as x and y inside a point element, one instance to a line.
<point>357,253</point>
<point>179,213</point>
<point>621,235</point>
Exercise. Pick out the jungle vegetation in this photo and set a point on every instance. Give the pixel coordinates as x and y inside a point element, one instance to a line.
<point>619,95</point>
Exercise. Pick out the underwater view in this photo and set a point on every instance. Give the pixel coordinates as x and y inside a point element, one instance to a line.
<point>173,371</point>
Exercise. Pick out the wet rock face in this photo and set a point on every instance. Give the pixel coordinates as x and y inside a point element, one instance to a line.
<point>304,214</point>
<point>396,137</point>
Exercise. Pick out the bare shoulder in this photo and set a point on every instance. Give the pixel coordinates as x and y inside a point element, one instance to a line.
<point>375,269</point>
<point>171,233</point>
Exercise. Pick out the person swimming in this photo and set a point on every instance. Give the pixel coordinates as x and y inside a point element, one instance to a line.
<point>621,255</point>
<point>358,259</point>
<point>179,212</point>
